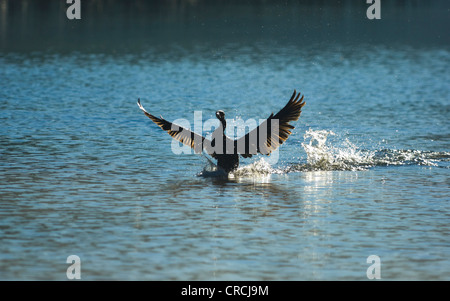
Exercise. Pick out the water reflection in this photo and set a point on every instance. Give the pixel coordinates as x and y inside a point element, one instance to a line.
<point>117,26</point>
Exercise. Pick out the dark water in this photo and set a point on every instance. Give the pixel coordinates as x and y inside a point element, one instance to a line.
<point>84,172</point>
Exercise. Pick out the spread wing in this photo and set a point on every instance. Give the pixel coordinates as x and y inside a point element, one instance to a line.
<point>183,135</point>
<point>271,133</point>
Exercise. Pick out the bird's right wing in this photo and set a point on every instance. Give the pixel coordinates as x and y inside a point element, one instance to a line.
<point>197,142</point>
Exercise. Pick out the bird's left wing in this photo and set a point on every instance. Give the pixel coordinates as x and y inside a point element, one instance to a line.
<point>183,135</point>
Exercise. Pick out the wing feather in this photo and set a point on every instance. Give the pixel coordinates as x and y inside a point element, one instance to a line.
<point>273,132</point>
<point>183,135</point>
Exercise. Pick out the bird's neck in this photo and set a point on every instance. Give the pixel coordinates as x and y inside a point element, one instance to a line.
<point>224,124</point>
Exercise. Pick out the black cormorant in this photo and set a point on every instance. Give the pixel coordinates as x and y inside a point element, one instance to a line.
<point>264,139</point>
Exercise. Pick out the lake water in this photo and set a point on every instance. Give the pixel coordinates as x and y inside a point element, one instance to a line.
<point>365,172</point>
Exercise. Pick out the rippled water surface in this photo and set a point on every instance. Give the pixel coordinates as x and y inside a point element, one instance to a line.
<point>365,172</point>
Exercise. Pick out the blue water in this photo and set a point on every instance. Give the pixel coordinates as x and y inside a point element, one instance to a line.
<point>365,172</point>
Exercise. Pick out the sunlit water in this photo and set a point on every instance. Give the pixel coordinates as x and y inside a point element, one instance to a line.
<point>365,172</point>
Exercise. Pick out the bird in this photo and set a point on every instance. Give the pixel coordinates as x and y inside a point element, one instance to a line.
<point>263,139</point>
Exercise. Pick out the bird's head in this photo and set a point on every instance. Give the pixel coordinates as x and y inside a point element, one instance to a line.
<point>220,115</point>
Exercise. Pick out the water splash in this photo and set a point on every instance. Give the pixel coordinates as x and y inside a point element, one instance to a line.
<point>325,154</point>
<point>257,168</point>
<point>387,157</point>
